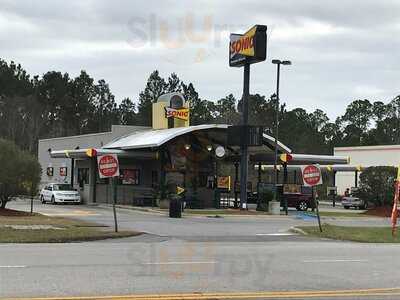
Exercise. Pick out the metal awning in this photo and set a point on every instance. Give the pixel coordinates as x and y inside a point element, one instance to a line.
<point>297,159</point>
<point>339,168</point>
<point>83,153</point>
<point>155,138</point>
<point>304,159</point>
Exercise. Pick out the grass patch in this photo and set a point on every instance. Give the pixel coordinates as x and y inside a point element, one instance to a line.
<point>223,212</point>
<point>71,230</point>
<point>357,234</point>
<point>341,214</point>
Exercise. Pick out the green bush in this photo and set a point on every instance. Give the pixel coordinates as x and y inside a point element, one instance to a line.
<point>20,172</point>
<point>377,185</point>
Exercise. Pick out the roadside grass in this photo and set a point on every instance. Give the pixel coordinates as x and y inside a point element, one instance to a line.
<point>342,214</point>
<point>356,234</point>
<point>69,230</point>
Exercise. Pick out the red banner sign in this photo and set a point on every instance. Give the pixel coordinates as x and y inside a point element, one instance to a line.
<point>108,165</point>
<point>311,175</point>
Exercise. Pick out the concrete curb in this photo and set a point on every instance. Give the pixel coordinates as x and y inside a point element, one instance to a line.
<point>138,209</point>
<point>297,230</point>
<point>186,214</point>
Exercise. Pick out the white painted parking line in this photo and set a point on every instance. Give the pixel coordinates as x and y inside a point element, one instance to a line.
<point>276,234</point>
<point>333,260</point>
<point>180,263</point>
<point>9,267</point>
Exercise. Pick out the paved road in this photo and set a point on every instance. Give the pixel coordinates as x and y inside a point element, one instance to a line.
<point>199,254</point>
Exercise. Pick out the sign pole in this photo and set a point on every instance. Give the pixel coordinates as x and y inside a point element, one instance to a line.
<point>311,177</point>
<point>114,202</point>
<point>244,152</point>
<point>246,49</point>
<point>317,209</point>
<point>31,204</point>
<point>108,167</point>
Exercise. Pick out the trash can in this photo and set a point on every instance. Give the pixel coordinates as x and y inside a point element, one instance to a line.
<point>175,207</point>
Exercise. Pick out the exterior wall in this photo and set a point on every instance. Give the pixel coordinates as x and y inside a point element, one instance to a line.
<point>126,194</point>
<point>365,156</point>
<point>95,140</point>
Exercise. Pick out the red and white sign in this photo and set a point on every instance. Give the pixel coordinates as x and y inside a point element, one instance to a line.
<point>108,165</point>
<point>182,113</point>
<point>311,175</point>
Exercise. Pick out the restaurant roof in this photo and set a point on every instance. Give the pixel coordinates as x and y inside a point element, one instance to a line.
<point>155,138</point>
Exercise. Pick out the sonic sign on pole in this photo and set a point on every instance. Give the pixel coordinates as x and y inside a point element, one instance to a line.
<point>246,49</point>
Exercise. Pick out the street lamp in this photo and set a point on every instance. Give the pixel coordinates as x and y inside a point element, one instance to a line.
<point>278,64</point>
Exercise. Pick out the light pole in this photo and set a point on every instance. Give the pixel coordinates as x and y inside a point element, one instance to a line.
<point>278,64</point>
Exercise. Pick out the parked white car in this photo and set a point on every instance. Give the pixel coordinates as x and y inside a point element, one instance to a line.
<point>59,193</point>
<point>355,202</point>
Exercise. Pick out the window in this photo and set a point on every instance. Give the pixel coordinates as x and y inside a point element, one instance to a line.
<point>130,176</point>
<point>203,176</point>
<point>62,187</point>
<point>154,179</point>
<point>83,176</point>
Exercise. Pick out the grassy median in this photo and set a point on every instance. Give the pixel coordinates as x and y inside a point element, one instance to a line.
<point>357,234</point>
<point>338,214</point>
<point>39,228</point>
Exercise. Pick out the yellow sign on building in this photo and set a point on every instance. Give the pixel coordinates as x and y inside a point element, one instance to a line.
<point>168,107</point>
<point>182,114</point>
<point>224,182</point>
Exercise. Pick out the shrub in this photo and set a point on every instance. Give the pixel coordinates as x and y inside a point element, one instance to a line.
<point>19,173</point>
<point>377,185</point>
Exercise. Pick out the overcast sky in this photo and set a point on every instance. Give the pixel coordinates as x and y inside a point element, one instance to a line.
<point>341,50</point>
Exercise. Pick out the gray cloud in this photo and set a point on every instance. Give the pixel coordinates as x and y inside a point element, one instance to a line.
<point>341,50</point>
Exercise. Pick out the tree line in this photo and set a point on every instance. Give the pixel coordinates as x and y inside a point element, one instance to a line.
<point>55,104</point>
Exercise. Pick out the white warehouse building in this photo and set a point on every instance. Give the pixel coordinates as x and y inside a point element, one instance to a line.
<point>365,156</point>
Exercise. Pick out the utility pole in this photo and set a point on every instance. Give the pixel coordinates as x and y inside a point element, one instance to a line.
<point>278,63</point>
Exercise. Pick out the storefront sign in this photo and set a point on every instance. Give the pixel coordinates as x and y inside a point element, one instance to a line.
<point>63,171</point>
<point>108,165</point>
<point>250,47</point>
<point>182,114</point>
<point>130,176</point>
<point>291,189</point>
<point>311,175</point>
<point>179,190</point>
<point>50,171</point>
<point>224,182</point>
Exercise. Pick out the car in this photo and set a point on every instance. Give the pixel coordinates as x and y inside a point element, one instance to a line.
<point>59,193</point>
<point>301,201</point>
<point>352,201</point>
